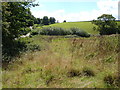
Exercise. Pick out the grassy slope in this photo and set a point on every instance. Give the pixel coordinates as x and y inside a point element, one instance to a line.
<point>52,66</point>
<point>86,26</point>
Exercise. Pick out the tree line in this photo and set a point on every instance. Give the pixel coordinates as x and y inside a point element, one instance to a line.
<point>45,20</point>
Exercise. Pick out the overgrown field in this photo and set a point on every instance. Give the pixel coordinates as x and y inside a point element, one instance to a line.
<point>66,63</point>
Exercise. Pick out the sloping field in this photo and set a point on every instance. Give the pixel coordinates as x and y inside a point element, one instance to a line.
<point>86,26</point>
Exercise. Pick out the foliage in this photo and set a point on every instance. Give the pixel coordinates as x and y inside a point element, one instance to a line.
<point>15,17</point>
<point>88,72</point>
<point>37,21</point>
<point>79,32</point>
<point>54,31</point>
<point>45,20</point>
<point>33,47</point>
<point>13,50</point>
<point>24,31</point>
<point>52,20</point>
<point>112,80</point>
<point>34,32</point>
<point>73,73</point>
<point>64,21</point>
<point>62,31</point>
<point>106,24</point>
<point>30,23</point>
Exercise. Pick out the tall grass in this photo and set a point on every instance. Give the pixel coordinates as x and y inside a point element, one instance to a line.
<point>66,63</point>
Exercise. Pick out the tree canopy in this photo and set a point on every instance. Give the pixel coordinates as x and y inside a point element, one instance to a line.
<point>15,16</point>
<point>52,20</point>
<point>106,24</point>
<point>45,20</point>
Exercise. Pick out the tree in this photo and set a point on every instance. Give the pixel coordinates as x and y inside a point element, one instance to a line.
<point>15,16</point>
<point>35,21</point>
<point>45,20</point>
<point>106,24</point>
<point>39,21</point>
<point>52,20</point>
<point>64,21</point>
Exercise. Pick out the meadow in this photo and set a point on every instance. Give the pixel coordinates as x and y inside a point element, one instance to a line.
<point>41,53</point>
<point>66,63</point>
<point>85,26</point>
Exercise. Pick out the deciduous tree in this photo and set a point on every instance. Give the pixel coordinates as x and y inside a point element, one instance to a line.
<point>106,24</point>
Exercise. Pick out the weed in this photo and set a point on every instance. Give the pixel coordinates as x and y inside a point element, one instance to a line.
<point>88,72</point>
<point>33,47</point>
<point>112,80</point>
<point>109,59</point>
<point>73,73</point>
<point>91,55</point>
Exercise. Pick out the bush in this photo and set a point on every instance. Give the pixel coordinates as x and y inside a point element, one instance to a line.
<point>54,31</point>
<point>79,32</point>
<point>112,80</point>
<point>108,31</point>
<point>13,50</point>
<point>25,31</point>
<point>73,73</point>
<point>118,30</point>
<point>34,33</point>
<point>33,48</point>
<point>61,31</point>
<point>88,72</point>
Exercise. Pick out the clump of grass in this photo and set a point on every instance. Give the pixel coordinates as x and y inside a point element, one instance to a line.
<point>112,80</point>
<point>73,73</point>
<point>88,72</point>
<point>48,76</point>
<point>33,47</point>
<point>109,59</point>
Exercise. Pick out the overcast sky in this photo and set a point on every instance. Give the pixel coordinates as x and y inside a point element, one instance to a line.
<point>75,10</point>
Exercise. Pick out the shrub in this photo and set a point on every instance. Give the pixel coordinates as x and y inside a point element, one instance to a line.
<point>71,36</point>
<point>54,31</point>
<point>33,48</point>
<point>25,31</point>
<point>112,80</point>
<point>61,31</point>
<point>13,50</point>
<point>88,72</point>
<point>79,32</point>
<point>73,73</point>
<point>106,24</point>
<point>34,33</point>
<point>118,30</point>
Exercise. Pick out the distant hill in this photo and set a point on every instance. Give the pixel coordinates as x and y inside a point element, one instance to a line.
<point>86,26</point>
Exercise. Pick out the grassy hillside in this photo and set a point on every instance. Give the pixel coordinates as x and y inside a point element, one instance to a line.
<point>66,63</point>
<point>86,26</point>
